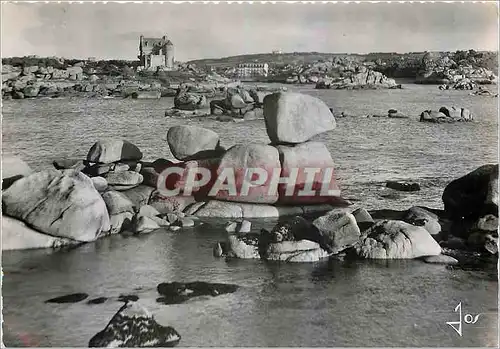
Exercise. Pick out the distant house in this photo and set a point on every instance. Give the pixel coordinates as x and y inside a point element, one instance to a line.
<point>277,52</point>
<point>156,53</point>
<point>247,70</point>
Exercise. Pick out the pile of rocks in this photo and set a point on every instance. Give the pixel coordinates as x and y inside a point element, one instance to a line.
<point>82,200</point>
<point>114,191</point>
<point>361,78</point>
<point>469,223</point>
<point>447,115</point>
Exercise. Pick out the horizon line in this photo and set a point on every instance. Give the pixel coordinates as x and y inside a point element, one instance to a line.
<point>261,53</point>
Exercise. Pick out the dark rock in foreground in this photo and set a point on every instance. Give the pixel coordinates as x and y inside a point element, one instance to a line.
<point>128,298</point>
<point>134,326</point>
<point>98,300</point>
<point>69,298</point>
<point>403,186</point>
<point>178,292</point>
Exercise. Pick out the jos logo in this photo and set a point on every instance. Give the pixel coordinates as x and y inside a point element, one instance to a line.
<point>468,319</point>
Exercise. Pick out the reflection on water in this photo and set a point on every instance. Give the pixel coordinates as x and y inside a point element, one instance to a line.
<point>335,303</point>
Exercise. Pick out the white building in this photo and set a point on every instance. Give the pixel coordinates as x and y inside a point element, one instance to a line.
<point>247,70</point>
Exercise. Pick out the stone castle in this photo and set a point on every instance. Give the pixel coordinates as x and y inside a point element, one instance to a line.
<point>156,53</point>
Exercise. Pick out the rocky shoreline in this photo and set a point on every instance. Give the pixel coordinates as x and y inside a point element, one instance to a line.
<point>30,77</point>
<point>114,191</point>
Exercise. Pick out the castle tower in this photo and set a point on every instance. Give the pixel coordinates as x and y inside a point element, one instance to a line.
<point>169,55</point>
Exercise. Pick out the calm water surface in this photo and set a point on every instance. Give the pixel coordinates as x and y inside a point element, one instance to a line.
<point>401,303</point>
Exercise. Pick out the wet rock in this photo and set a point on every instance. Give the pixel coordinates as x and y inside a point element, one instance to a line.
<point>69,298</point>
<point>454,243</point>
<point>190,101</point>
<point>67,164</point>
<point>396,240</point>
<point>107,151</point>
<point>403,186</point>
<point>144,224</point>
<point>295,118</point>
<point>134,326</point>
<point>128,298</point>
<point>98,300</point>
<point>340,228</point>
<point>63,204</point>
<point>178,292</point>
<point>440,259</point>
<point>483,242</point>
<point>187,142</point>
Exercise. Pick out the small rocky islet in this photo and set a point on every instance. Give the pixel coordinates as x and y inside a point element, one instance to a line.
<point>113,191</point>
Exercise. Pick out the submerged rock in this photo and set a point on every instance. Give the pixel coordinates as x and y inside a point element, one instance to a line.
<point>178,292</point>
<point>403,186</point>
<point>440,259</point>
<point>69,298</point>
<point>134,326</point>
<point>98,300</point>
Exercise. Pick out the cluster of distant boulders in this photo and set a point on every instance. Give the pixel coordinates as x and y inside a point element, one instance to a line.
<point>237,103</point>
<point>337,73</point>
<point>460,70</point>
<point>35,81</point>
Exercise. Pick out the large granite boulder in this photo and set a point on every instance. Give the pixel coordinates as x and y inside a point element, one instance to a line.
<point>296,118</point>
<point>13,168</point>
<point>310,187</point>
<point>109,150</point>
<point>192,142</point>
<point>474,195</point>
<point>389,239</point>
<point>16,235</point>
<point>58,203</point>
<point>134,326</point>
<point>242,185</point>
<point>340,228</point>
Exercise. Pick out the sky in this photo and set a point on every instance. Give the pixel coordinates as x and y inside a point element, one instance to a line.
<point>112,30</point>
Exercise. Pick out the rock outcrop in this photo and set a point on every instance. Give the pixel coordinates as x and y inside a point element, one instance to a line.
<point>58,203</point>
<point>438,68</point>
<point>396,240</point>
<point>134,326</point>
